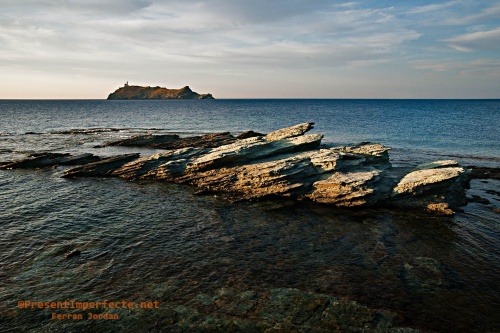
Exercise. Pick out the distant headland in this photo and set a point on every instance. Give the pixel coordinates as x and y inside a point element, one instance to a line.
<point>140,92</point>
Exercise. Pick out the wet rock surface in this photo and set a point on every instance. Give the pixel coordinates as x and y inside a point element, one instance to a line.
<point>287,163</point>
<point>44,160</point>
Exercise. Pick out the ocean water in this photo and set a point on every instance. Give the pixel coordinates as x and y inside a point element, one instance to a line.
<point>144,241</point>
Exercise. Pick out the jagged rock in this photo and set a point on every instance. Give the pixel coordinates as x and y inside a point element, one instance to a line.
<point>359,178</point>
<point>289,163</point>
<point>348,189</point>
<point>43,160</point>
<point>253,149</point>
<point>143,141</point>
<point>289,132</point>
<point>104,167</point>
<point>367,153</point>
<point>283,177</point>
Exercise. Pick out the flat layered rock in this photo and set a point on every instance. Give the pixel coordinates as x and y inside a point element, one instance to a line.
<point>44,160</point>
<point>165,165</point>
<point>437,164</point>
<point>253,149</point>
<point>104,167</point>
<point>203,141</point>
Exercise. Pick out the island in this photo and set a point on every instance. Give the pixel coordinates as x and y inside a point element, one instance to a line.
<point>128,92</point>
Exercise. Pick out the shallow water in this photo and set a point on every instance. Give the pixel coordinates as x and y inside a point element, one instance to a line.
<point>144,241</point>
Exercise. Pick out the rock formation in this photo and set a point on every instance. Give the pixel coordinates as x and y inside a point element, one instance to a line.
<point>148,140</point>
<point>139,92</point>
<point>44,160</point>
<point>290,163</point>
<point>174,142</point>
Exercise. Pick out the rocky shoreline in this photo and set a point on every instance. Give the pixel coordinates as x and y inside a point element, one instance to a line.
<point>287,163</point>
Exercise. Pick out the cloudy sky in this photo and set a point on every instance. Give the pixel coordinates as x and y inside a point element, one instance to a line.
<point>251,49</point>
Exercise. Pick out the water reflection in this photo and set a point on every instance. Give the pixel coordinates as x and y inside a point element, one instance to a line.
<point>144,240</point>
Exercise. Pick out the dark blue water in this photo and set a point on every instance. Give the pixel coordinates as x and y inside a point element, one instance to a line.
<point>460,127</point>
<point>156,241</point>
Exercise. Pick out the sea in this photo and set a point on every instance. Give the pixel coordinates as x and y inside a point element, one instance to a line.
<point>145,241</point>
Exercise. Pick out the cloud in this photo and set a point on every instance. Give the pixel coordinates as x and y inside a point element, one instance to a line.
<point>471,16</point>
<point>476,41</point>
<point>153,39</point>
<point>279,33</point>
<point>432,8</point>
<point>477,68</point>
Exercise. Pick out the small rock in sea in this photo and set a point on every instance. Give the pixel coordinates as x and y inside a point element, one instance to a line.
<point>72,253</point>
<point>442,209</point>
<point>496,210</point>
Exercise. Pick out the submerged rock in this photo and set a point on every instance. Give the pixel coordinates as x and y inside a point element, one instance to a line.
<point>281,310</point>
<point>290,163</point>
<point>422,273</point>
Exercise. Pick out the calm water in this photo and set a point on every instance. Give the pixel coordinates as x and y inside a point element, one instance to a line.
<point>155,241</point>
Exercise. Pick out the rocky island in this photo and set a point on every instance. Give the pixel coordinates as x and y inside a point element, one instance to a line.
<point>128,92</point>
<point>286,163</point>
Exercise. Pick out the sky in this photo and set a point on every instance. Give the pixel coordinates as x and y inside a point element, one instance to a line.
<point>86,49</point>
